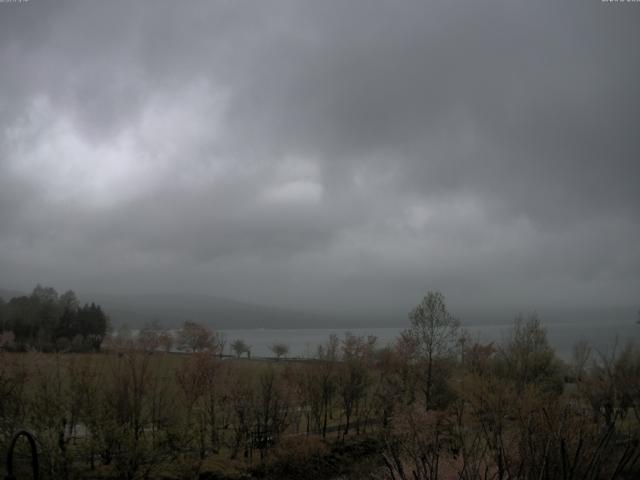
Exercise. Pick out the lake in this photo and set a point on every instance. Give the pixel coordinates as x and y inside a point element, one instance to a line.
<point>562,336</point>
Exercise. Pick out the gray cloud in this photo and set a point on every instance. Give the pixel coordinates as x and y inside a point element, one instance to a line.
<point>341,155</point>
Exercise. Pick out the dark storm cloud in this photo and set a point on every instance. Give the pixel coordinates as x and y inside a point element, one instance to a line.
<point>305,153</point>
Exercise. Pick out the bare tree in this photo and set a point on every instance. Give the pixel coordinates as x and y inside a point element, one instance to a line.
<point>415,447</point>
<point>353,378</point>
<point>271,410</point>
<point>166,340</point>
<point>279,349</point>
<point>149,337</point>
<point>122,428</point>
<point>241,397</point>
<point>220,340</point>
<point>197,378</point>
<point>433,333</point>
<point>326,377</point>
<point>527,357</point>
<point>239,347</point>
<point>195,337</point>
<point>581,356</point>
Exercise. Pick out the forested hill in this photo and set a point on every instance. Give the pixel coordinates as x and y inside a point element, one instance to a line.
<point>7,295</point>
<point>220,313</point>
<point>170,310</point>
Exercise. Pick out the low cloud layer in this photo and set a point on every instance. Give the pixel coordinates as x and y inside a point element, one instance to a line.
<point>340,156</point>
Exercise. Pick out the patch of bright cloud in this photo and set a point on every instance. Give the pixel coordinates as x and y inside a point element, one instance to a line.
<point>295,192</point>
<point>295,180</point>
<point>167,140</point>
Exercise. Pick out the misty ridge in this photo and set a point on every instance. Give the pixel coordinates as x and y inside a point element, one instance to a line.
<point>169,310</point>
<point>48,315</point>
<point>319,240</point>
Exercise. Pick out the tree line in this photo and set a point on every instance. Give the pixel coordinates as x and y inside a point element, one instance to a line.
<point>48,322</point>
<point>191,337</point>
<point>437,403</point>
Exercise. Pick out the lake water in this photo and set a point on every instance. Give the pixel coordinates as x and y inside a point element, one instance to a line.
<point>562,336</point>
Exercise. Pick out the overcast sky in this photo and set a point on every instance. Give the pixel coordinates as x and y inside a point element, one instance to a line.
<point>343,155</point>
